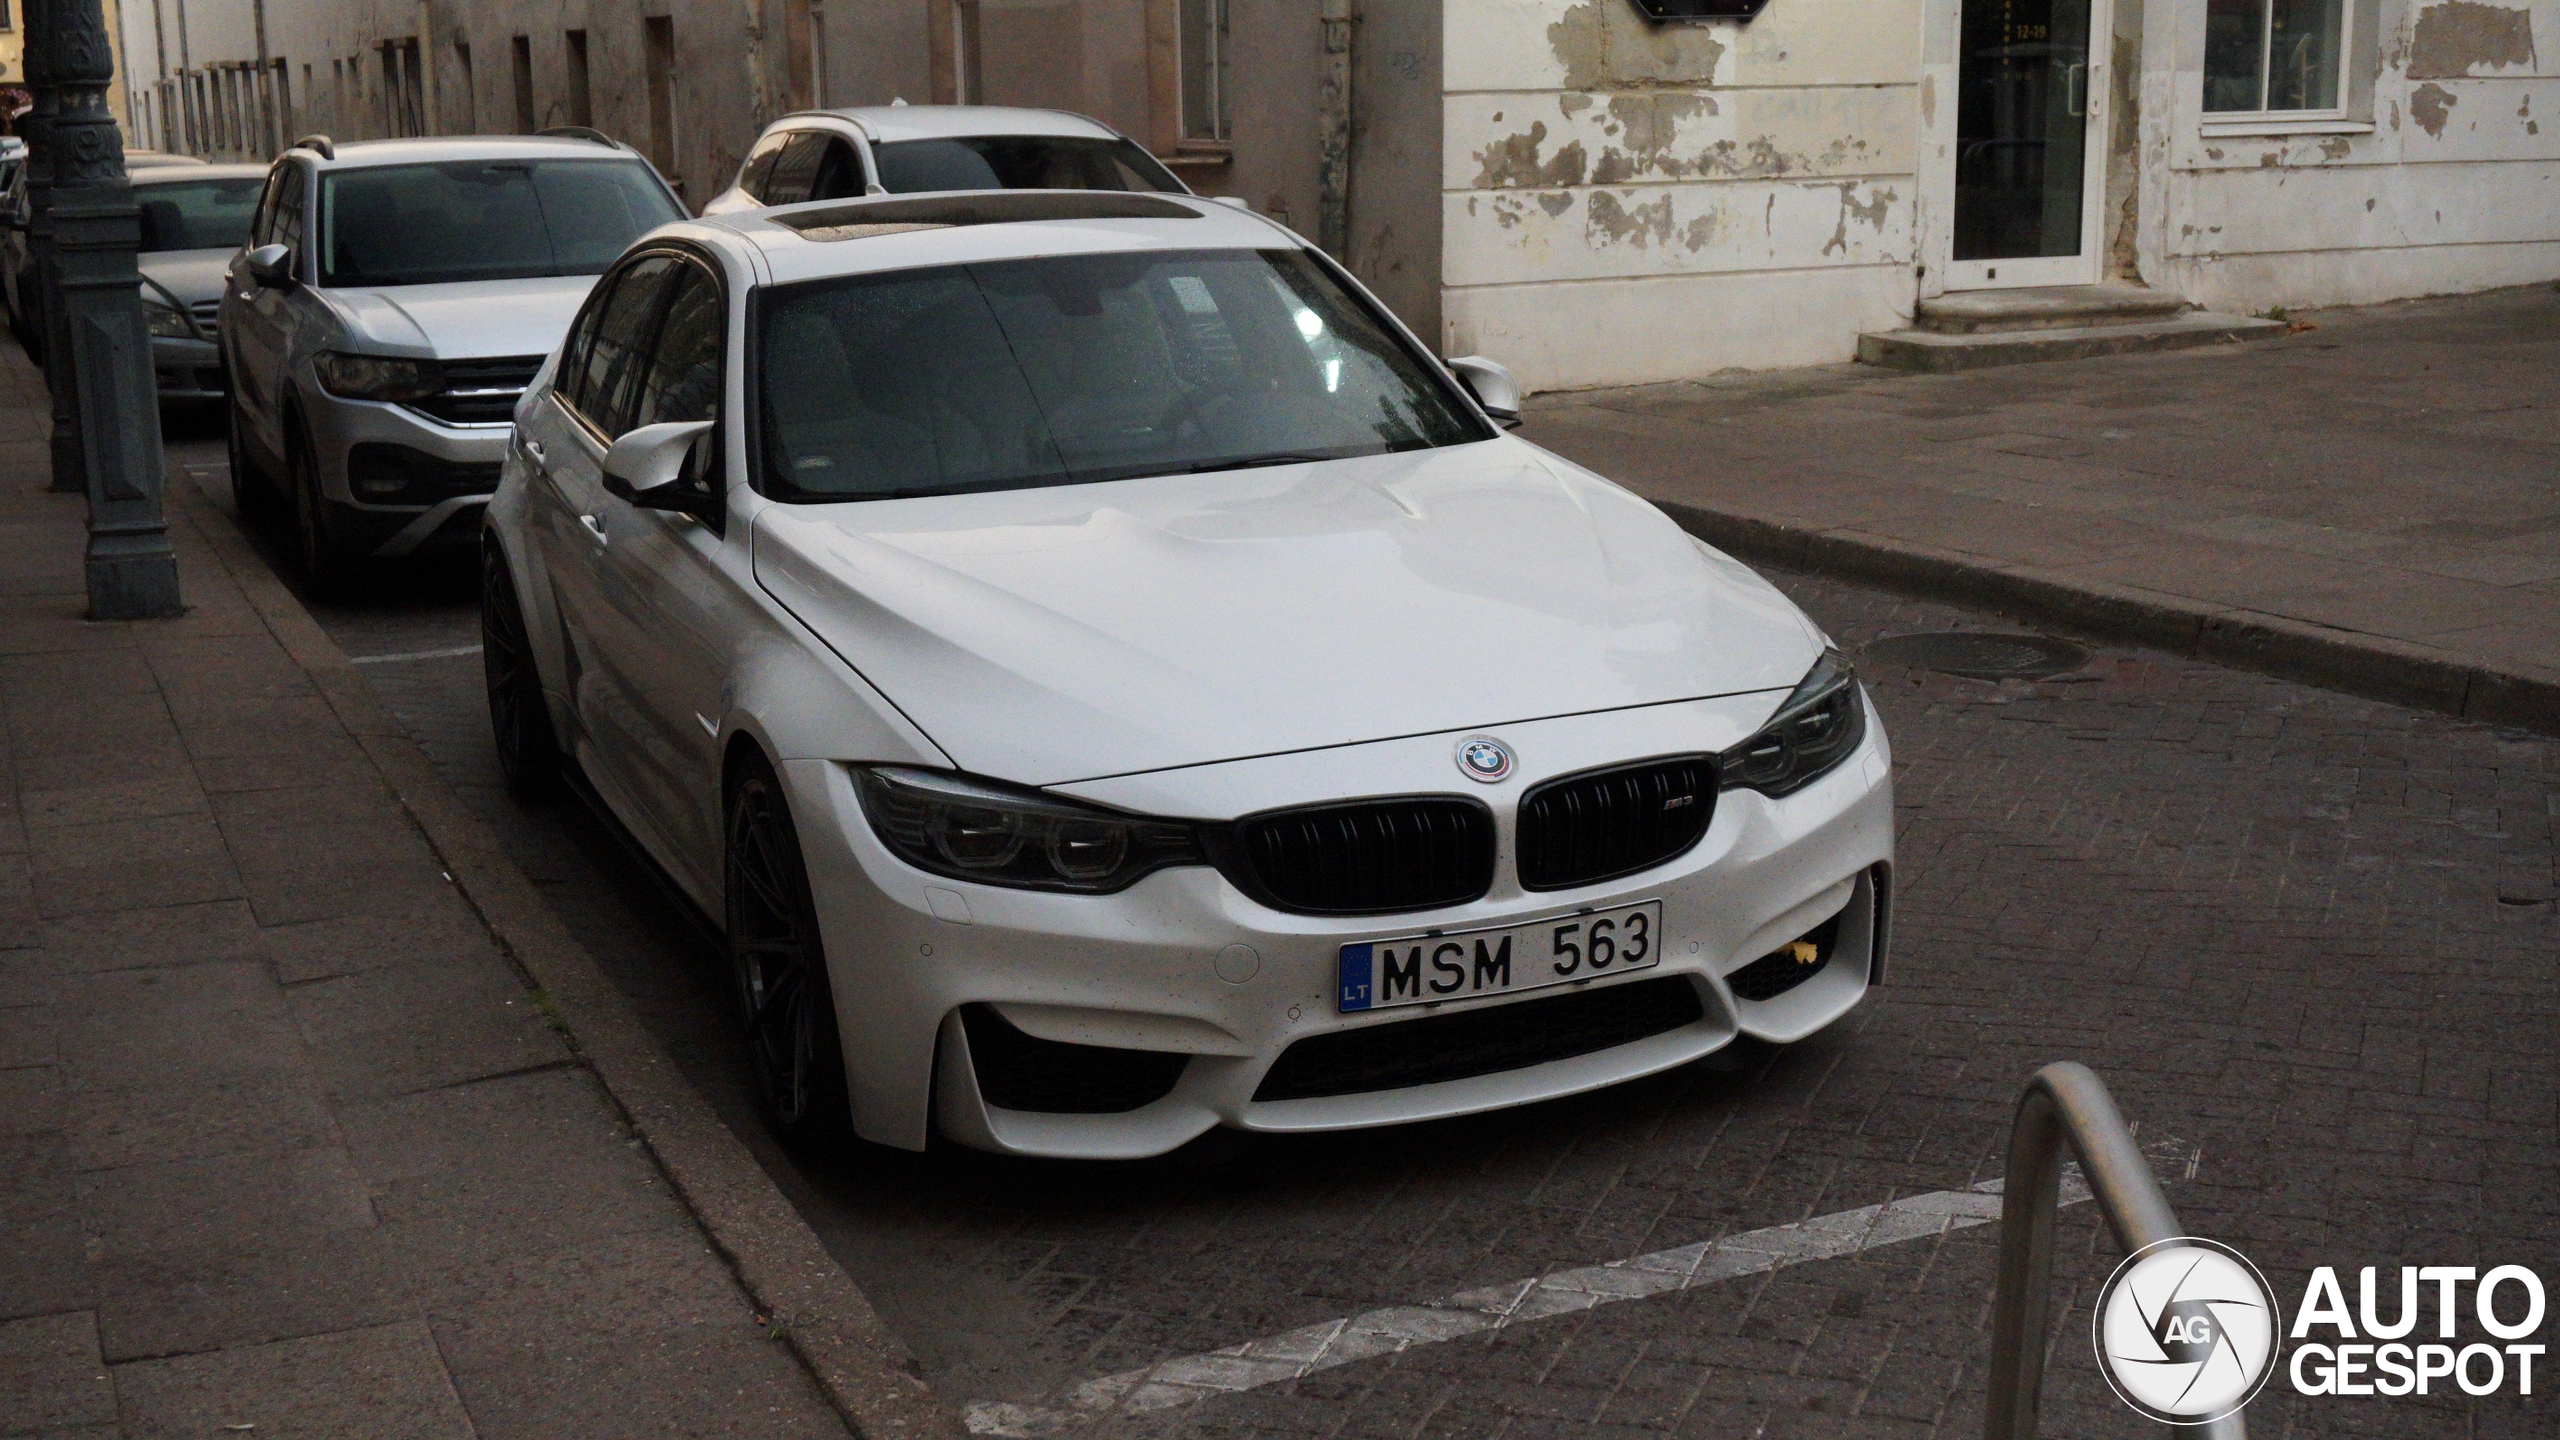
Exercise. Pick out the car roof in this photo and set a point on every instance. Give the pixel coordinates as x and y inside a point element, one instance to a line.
<point>163,174</point>
<point>357,154</point>
<point>891,123</point>
<point>825,238</point>
<point>156,159</point>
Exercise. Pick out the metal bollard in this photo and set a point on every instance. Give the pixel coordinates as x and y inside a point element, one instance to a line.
<point>2063,1101</point>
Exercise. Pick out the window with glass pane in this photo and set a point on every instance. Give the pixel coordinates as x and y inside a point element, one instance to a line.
<point>1204,69</point>
<point>2272,55</point>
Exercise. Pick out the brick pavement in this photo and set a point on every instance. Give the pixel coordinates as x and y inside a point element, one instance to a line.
<point>286,1143</point>
<point>2369,504</point>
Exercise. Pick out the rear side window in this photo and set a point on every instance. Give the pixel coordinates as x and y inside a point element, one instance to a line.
<point>796,170</point>
<point>1021,162</point>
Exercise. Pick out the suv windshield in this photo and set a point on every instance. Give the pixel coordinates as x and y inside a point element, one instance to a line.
<point>1023,373</point>
<point>484,219</point>
<point>197,214</point>
<point>1019,162</point>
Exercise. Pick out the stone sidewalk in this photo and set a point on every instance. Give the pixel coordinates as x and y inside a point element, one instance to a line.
<point>305,1129</point>
<point>2372,504</point>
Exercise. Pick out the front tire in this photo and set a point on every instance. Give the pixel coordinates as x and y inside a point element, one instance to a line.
<point>519,718</point>
<point>784,1001</point>
<point>253,490</point>
<point>322,557</point>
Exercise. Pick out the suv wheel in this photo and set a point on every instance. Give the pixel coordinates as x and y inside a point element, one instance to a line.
<point>784,1000</point>
<point>323,558</point>
<point>253,490</point>
<point>519,719</point>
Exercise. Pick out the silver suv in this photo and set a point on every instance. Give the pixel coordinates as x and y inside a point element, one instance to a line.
<point>914,149</point>
<point>393,301</point>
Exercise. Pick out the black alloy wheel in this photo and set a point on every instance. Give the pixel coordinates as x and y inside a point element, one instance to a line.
<point>784,1001</point>
<point>325,570</point>
<point>519,719</point>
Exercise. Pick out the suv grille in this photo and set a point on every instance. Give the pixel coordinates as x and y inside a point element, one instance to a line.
<point>1050,1077</point>
<point>1364,857</point>
<point>1480,1042</point>
<point>480,392</point>
<point>1584,829</point>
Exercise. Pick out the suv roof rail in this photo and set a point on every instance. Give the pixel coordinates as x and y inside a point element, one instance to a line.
<point>582,132</point>
<point>322,145</point>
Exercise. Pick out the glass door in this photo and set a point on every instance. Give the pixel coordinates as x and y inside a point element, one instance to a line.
<point>2030,143</point>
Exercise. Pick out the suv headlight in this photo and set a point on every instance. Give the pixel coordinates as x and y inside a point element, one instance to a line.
<point>377,377</point>
<point>970,830</point>
<point>1819,726</point>
<point>164,322</point>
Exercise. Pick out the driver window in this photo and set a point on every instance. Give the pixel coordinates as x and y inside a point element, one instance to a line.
<point>683,382</point>
<point>797,169</point>
<point>839,173</point>
<point>619,347</point>
<point>758,173</point>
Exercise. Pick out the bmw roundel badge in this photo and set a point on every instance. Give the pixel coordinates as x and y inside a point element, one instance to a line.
<point>1485,759</point>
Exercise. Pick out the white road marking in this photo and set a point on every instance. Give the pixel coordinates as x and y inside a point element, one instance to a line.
<point>445,654</point>
<point>1189,1378</point>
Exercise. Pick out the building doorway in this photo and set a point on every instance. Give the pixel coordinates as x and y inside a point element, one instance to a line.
<point>2030,152</point>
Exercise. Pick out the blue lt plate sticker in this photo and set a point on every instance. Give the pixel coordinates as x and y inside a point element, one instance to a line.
<point>1354,975</point>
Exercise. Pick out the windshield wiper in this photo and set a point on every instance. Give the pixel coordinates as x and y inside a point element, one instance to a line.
<point>1252,462</point>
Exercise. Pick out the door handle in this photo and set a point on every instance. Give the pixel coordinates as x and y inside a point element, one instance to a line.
<point>595,527</point>
<point>2075,89</point>
<point>533,448</point>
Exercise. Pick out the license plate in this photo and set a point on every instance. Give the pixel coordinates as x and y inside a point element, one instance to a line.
<point>1468,964</point>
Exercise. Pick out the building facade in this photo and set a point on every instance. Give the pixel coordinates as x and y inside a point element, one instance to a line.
<point>1593,194</point>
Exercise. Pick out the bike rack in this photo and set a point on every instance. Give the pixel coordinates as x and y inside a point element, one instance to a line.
<point>2064,1102</point>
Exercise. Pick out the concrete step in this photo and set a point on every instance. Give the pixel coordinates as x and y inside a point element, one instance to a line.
<point>1931,351</point>
<point>2045,307</point>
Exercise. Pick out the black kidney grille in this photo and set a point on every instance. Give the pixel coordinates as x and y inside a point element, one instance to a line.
<point>1480,1042</point>
<point>1050,1077</point>
<point>1366,857</point>
<point>1587,828</point>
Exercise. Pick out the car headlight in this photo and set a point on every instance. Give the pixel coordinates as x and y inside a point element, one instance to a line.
<point>377,377</point>
<point>165,323</point>
<point>970,830</point>
<point>1819,726</point>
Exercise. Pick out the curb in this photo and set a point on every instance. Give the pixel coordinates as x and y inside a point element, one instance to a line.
<point>2357,664</point>
<point>796,1287</point>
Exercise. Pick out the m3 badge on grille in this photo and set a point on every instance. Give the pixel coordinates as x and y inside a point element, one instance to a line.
<point>1485,759</point>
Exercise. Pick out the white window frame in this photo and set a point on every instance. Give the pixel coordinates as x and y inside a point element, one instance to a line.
<point>2352,115</point>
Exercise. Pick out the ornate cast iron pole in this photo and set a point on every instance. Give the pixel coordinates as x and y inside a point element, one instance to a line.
<point>46,304</point>
<point>103,354</point>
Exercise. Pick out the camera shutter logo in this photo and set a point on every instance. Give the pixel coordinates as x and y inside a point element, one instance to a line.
<point>2186,1331</point>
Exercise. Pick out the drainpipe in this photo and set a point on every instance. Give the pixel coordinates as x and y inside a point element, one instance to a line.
<point>427,70</point>
<point>1333,135</point>
<point>266,82</point>
<point>760,106</point>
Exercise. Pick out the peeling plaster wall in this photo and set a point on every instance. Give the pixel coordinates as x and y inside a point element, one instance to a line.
<point>1624,203</point>
<point>2455,187</point>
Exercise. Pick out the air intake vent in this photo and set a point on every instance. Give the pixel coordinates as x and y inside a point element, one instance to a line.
<point>1587,828</point>
<point>1787,967</point>
<point>1480,1042</point>
<point>1365,857</point>
<point>1050,1077</point>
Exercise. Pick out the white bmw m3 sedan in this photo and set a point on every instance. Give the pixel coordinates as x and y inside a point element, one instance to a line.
<point>1108,681</point>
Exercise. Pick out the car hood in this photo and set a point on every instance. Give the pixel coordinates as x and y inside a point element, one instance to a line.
<point>462,321</point>
<point>189,276</point>
<point>1044,636</point>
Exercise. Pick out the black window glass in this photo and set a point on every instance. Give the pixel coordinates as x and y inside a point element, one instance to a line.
<point>621,335</point>
<point>484,219</point>
<point>1020,162</point>
<point>684,376</point>
<point>1060,370</point>
<point>569,380</point>
<point>758,171</point>
<point>262,223</point>
<point>797,169</point>
<point>839,173</point>
<point>287,229</point>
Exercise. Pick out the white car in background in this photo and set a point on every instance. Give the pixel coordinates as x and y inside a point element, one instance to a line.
<point>916,149</point>
<point>1109,681</point>
<point>393,299</point>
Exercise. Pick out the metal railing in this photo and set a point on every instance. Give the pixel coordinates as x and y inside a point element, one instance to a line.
<point>2064,1102</point>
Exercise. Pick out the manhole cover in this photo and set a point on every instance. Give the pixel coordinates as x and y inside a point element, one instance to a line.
<point>1977,656</point>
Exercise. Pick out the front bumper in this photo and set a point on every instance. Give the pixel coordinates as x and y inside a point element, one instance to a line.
<point>447,513</point>
<point>186,370</point>
<point>1183,963</point>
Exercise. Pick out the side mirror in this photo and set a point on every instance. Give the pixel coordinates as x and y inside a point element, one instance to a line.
<point>644,465</point>
<point>1492,386</point>
<point>272,266</point>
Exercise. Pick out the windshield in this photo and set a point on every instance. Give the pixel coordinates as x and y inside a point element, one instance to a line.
<point>1024,373</point>
<point>484,220</point>
<point>1019,162</point>
<point>197,214</point>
